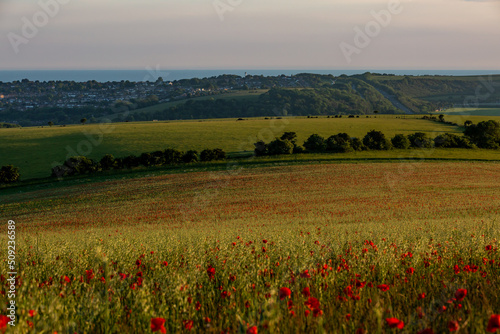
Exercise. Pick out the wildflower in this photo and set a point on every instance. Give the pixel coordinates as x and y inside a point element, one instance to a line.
<point>460,294</point>
<point>157,324</point>
<point>284,293</point>
<point>395,323</point>
<point>306,292</point>
<point>188,324</point>
<point>252,330</point>
<point>383,287</point>
<point>453,325</point>
<point>493,323</point>
<point>31,313</point>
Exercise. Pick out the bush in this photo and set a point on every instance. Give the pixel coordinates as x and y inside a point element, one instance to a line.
<point>9,174</point>
<point>315,143</point>
<point>400,141</point>
<point>376,140</point>
<point>172,156</point>
<point>260,148</point>
<point>357,144</point>
<point>339,143</point>
<point>107,162</point>
<point>449,140</point>
<point>75,166</point>
<point>131,161</point>
<point>190,156</point>
<point>210,155</point>
<point>485,134</point>
<point>420,140</point>
<point>146,159</point>
<point>280,146</point>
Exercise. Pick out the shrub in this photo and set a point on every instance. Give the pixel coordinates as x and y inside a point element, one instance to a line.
<point>9,174</point>
<point>172,156</point>
<point>339,143</point>
<point>107,162</point>
<point>485,134</point>
<point>75,166</point>
<point>146,159</point>
<point>357,144</point>
<point>131,161</point>
<point>400,141</point>
<point>449,140</point>
<point>280,146</point>
<point>420,140</point>
<point>190,156</point>
<point>210,155</point>
<point>376,140</point>
<point>315,143</point>
<point>260,148</point>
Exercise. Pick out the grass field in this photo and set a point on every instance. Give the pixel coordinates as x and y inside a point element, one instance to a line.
<point>34,150</point>
<point>486,112</point>
<point>361,247</point>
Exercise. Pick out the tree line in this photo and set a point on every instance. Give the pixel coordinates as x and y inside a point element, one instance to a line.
<point>79,165</point>
<point>483,135</point>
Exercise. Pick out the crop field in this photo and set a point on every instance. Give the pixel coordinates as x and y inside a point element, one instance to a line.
<point>34,149</point>
<point>329,248</point>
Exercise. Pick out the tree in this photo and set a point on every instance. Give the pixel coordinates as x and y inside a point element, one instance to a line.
<point>485,134</point>
<point>291,136</point>
<point>190,156</point>
<point>146,159</point>
<point>9,174</point>
<point>357,144</point>
<point>83,121</point>
<point>449,140</point>
<point>441,118</point>
<point>339,143</point>
<point>376,140</point>
<point>131,161</point>
<point>50,123</point>
<point>315,143</point>
<point>420,140</point>
<point>260,148</point>
<point>467,123</point>
<point>400,141</point>
<point>107,162</point>
<point>280,146</point>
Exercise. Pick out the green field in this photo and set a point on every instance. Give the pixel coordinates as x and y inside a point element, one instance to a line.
<point>34,150</point>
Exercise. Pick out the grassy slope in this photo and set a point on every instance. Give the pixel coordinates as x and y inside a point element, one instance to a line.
<point>35,149</point>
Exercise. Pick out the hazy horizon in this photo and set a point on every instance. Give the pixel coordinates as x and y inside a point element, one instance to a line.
<point>249,35</point>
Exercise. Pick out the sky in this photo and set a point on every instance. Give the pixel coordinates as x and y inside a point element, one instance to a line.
<point>249,34</point>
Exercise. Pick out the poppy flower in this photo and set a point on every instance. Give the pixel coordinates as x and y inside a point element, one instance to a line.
<point>4,320</point>
<point>30,324</point>
<point>460,294</point>
<point>188,324</point>
<point>165,263</point>
<point>157,324</point>
<point>347,317</point>
<point>252,330</point>
<point>395,323</point>
<point>306,292</point>
<point>410,271</point>
<point>383,287</point>
<point>312,303</point>
<point>421,296</point>
<point>493,323</point>
<point>305,274</point>
<point>285,293</point>
<point>453,325</point>
<point>31,313</point>
<point>66,278</point>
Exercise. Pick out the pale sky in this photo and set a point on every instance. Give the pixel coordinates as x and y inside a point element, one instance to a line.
<point>249,34</point>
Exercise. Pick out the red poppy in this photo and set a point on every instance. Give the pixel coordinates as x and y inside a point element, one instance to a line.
<point>306,292</point>
<point>264,241</point>
<point>312,303</point>
<point>207,319</point>
<point>488,248</point>
<point>157,325</point>
<point>493,323</point>
<point>305,274</point>
<point>31,313</point>
<point>383,287</point>
<point>30,324</point>
<point>347,317</point>
<point>66,278</point>
<point>421,296</point>
<point>165,263</point>
<point>395,323</point>
<point>252,330</point>
<point>211,272</point>
<point>410,271</point>
<point>453,325</point>
<point>285,293</point>
<point>460,294</point>
<point>188,324</point>
<point>4,320</point>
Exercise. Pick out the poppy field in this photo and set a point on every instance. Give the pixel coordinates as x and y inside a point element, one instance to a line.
<point>324,248</point>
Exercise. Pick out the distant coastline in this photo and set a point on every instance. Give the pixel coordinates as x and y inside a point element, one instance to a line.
<point>172,75</point>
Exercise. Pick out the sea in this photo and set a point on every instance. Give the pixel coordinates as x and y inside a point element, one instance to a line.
<point>152,74</point>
